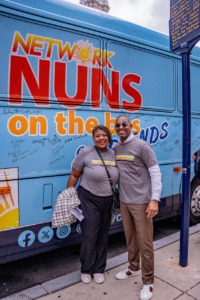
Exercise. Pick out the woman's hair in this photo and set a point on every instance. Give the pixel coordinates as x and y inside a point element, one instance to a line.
<point>105,129</point>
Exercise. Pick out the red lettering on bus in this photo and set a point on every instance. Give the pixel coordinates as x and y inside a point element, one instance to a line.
<point>132,92</point>
<point>62,50</point>
<point>18,40</point>
<point>97,56</point>
<point>106,59</point>
<point>35,45</point>
<point>20,69</point>
<point>112,96</point>
<point>60,85</point>
<point>50,45</point>
<point>95,88</point>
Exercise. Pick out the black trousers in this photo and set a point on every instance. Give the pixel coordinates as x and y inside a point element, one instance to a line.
<point>95,228</point>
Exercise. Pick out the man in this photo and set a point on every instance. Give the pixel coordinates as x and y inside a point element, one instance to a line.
<point>139,191</point>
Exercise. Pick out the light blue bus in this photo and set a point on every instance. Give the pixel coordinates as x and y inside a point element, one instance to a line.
<point>64,69</point>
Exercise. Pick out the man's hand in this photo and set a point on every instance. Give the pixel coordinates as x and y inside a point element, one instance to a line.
<point>152,209</point>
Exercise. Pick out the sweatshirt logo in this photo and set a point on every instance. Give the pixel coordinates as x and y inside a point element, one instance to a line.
<point>107,163</point>
<point>124,157</point>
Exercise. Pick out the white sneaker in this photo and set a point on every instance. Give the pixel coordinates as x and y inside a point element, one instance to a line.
<point>147,292</point>
<point>86,278</point>
<point>127,273</point>
<point>99,278</point>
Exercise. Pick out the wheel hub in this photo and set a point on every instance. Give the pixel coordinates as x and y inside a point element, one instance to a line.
<point>195,202</point>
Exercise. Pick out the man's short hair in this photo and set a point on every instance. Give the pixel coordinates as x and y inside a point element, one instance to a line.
<point>124,116</point>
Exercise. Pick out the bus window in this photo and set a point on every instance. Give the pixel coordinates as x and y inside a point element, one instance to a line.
<point>146,78</point>
<point>47,65</point>
<point>195,76</point>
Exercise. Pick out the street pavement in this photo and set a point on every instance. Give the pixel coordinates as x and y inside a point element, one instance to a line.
<point>22,274</point>
<point>171,281</point>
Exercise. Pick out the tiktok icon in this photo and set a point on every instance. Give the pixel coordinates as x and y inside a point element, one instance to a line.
<point>26,239</point>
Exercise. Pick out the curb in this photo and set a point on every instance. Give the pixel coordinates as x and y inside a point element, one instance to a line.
<point>65,281</point>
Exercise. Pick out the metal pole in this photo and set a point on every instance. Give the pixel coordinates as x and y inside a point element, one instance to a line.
<point>185,201</point>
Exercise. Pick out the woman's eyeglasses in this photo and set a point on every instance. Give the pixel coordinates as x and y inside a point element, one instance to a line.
<point>123,125</point>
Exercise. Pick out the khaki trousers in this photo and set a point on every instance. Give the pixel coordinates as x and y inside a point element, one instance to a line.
<point>139,238</point>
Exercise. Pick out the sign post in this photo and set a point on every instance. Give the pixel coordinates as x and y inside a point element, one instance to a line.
<point>185,201</point>
<point>184,34</point>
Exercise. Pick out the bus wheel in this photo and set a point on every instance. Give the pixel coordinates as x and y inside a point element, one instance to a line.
<point>195,202</point>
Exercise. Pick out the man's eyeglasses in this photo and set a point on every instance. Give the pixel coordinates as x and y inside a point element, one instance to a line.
<point>123,125</point>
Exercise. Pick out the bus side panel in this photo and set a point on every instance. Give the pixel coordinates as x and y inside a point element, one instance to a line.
<point>56,86</point>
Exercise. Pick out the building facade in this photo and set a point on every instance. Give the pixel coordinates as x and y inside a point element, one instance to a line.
<point>97,4</point>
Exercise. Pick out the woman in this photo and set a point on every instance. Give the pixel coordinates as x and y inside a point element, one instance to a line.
<point>194,156</point>
<point>96,199</point>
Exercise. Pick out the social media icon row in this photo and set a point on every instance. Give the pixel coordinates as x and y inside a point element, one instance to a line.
<point>27,237</point>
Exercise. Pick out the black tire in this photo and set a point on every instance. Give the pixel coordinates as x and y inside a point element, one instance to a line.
<point>194,207</point>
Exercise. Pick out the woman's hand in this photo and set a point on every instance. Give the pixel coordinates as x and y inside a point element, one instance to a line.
<point>75,174</point>
<point>194,157</point>
<point>152,209</point>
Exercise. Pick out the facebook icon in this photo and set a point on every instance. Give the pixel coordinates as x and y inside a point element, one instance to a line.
<point>26,239</point>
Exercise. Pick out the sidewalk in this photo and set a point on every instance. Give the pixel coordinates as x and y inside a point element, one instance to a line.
<point>171,281</point>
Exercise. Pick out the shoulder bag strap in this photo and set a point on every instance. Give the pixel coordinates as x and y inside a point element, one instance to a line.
<point>109,178</point>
